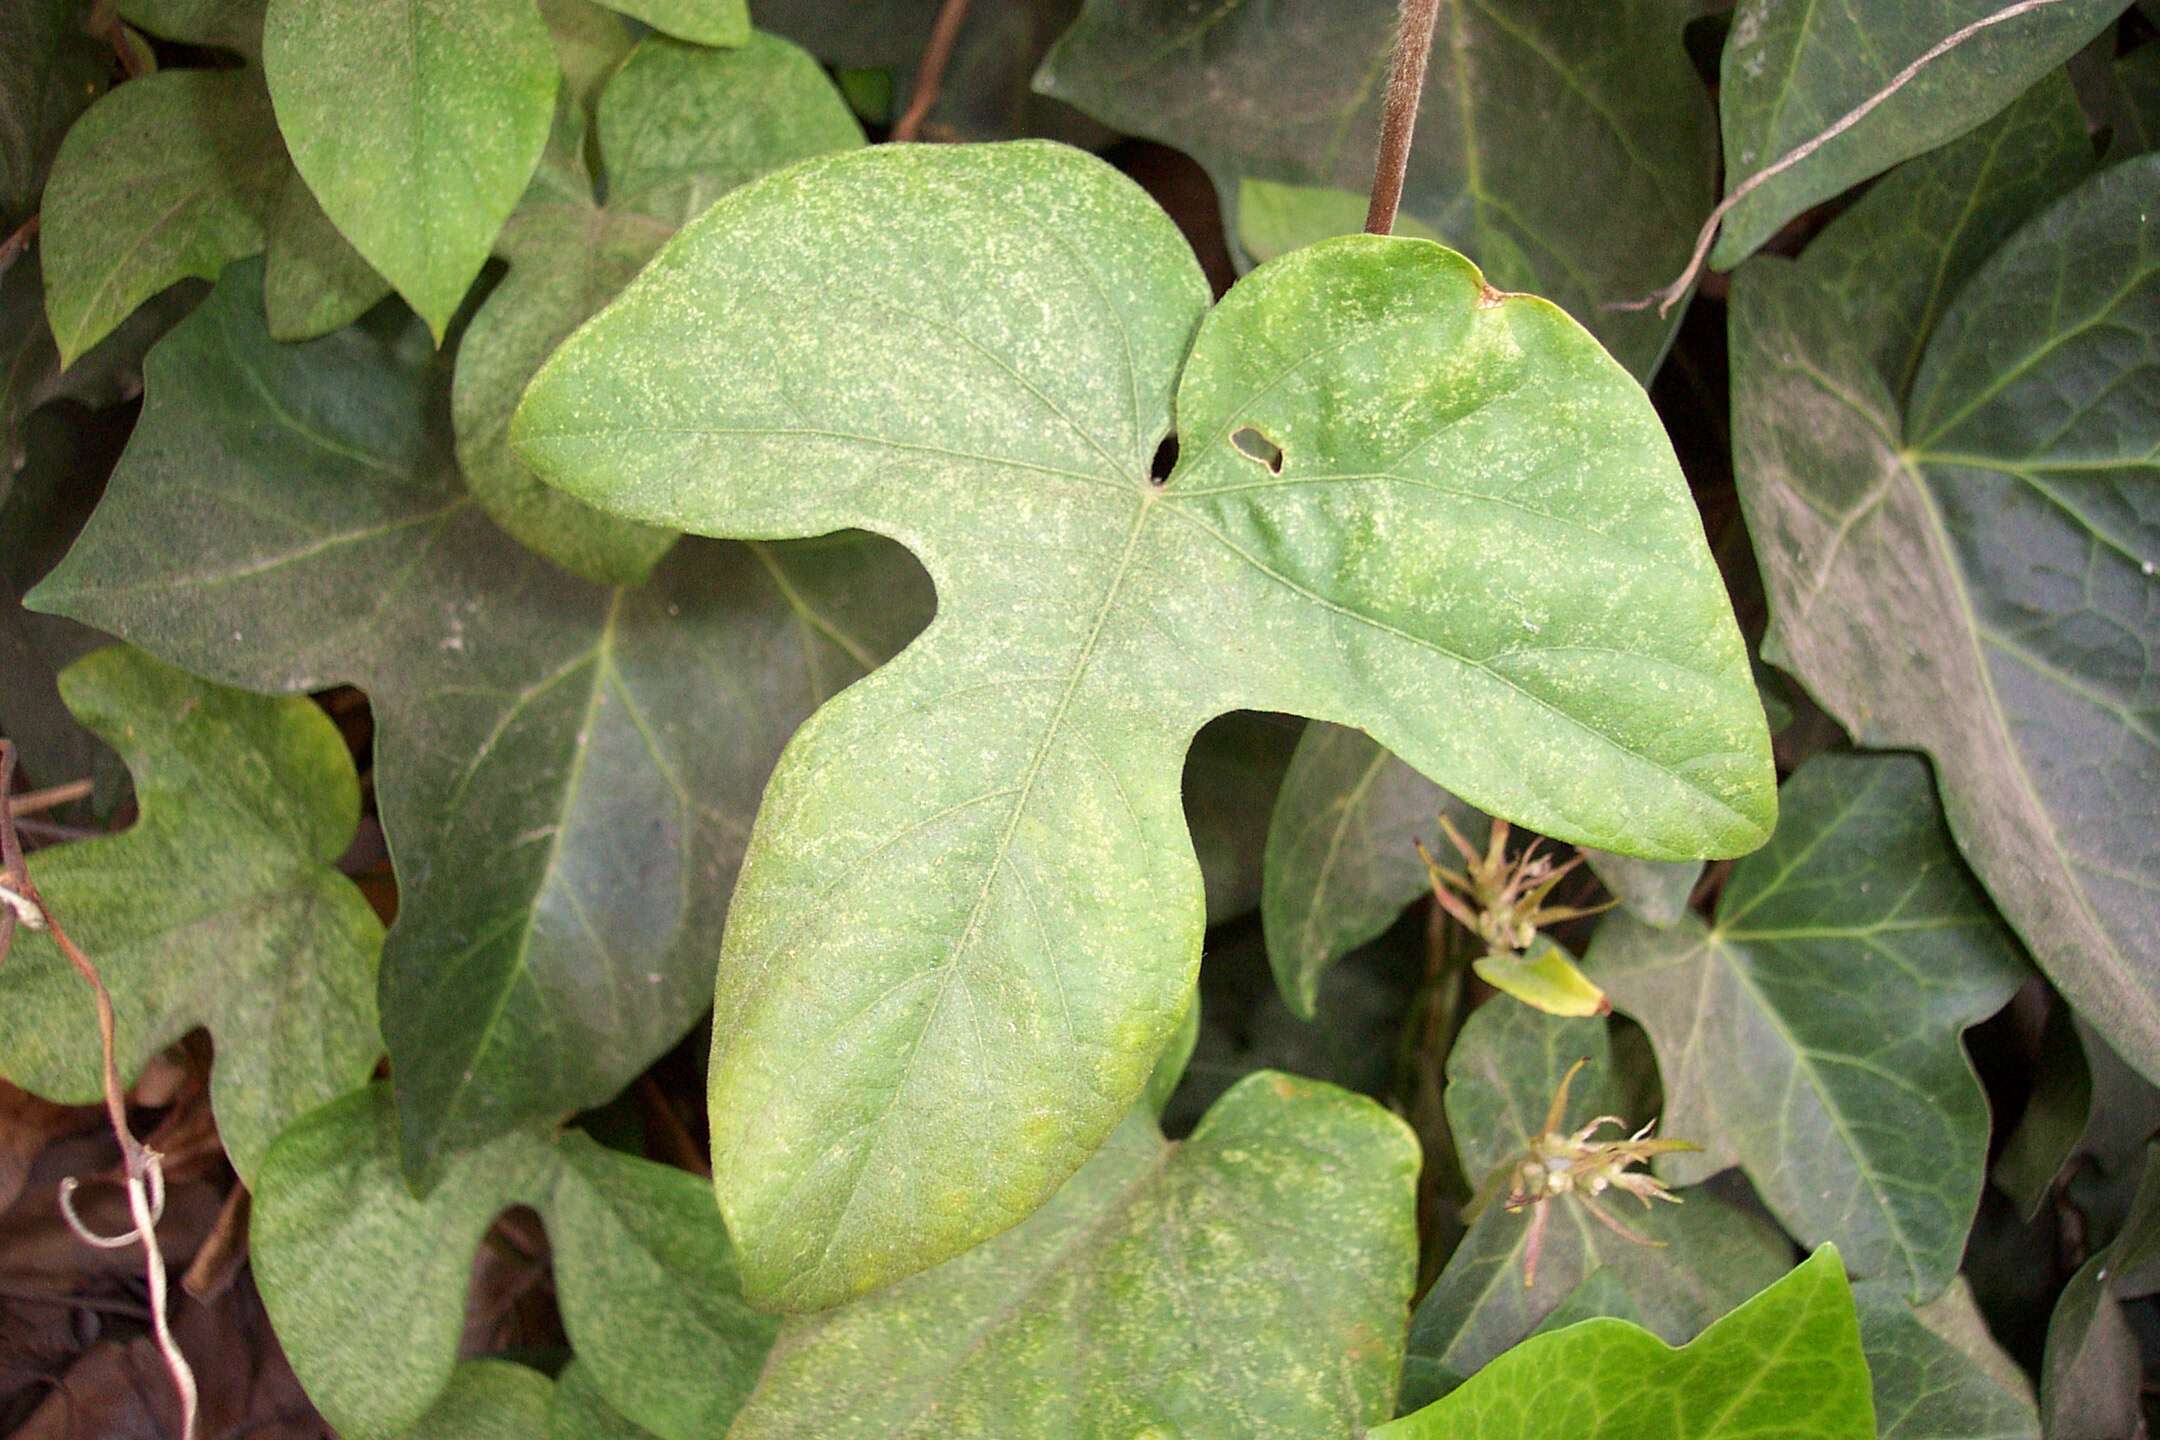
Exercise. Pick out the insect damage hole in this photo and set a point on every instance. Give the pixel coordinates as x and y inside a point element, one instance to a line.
<point>1165,461</point>
<point>1255,446</point>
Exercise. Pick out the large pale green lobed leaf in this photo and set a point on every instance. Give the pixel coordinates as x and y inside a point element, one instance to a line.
<point>366,1284</point>
<point>566,772</point>
<point>1249,1281</point>
<point>169,176</point>
<point>1594,201</point>
<point>1785,1364</point>
<point>678,126</point>
<point>487,1400</point>
<point>1502,1073</point>
<point>971,900</point>
<point>219,907</point>
<point>1791,70</point>
<point>416,123</point>
<point>1341,858</point>
<point>1949,489</point>
<point>1810,1034</point>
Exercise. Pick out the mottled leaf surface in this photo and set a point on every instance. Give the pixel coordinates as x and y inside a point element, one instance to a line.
<point>314,282</point>
<point>169,176</point>
<point>1947,462</point>
<point>1595,200</point>
<point>678,126</point>
<point>219,907</point>
<point>1791,70</point>
<point>366,1284</point>
<point>1810,1032</point>
<point>1787,1363</point>
<point>1342,858</point>
<point>1502,1073</point>
<point>416,124</point>
<point>704,22</point>
<point>1250,1280</point>
<point>971,895</point>
<point>581,1412</point>
<point>487,1400</point>
<point>565,772</point>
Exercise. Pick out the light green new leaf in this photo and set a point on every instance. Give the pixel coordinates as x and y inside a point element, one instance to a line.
<point>487,1400</point>
<point>971,896</point>
<point>1596,201</point>
<point>366,1284</point>
<point>1790,71</point>
<point>1938,1373</point>
<point>1785,1364</point>
<point>219,907</point>
<point>1342,860</point>
<point>172,175</point>
<point>1248,1281</point>
<point>416,124</point>
<point>1947,485</point>
<point>314,282</point>
<point>1502,1074</point>
<point>1811,1033</point>
<point>704,22</point>
<point>50,69</point>
<point>566,772</point>
<point>678,126</point>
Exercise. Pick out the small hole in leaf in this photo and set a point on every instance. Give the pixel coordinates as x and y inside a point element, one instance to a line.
<point>1165,461</point>
<point>1255,446</point>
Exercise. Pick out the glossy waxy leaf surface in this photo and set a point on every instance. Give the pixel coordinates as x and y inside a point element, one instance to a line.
<point>1810,1033</point>
<point>1787,1363</point>
<point>1502,1073</point>
<point>219,907</point>
<point>1597,201</point>
<point>678,125</point>
<point>1791,71</point>
<point>366,1284</point>
<point>416,124</point>
<point>565,772</point>
<point>971,895</point>
<point>1949,490</point>
<point>1250,1280</point>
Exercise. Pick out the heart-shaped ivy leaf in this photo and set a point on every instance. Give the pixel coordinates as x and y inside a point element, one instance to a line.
<point>219,907</point>
<point>566,772</point>
<point>1502,1073</point>
<point>678,125</point>
<point>1791,71</point>
<point>1595,200</point>
<point>1810,1033</point>
<point>1250,1280</point>
<point>366,1284</point>
<point>971,900</point>
<point>1787,1363</point>
<point>1948,489</point>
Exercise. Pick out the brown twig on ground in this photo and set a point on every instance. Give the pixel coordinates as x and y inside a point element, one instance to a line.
<point>930,75</point>
<point>1670,296</point>
<point>21,904</point>
<point>1398,116</point>
<point>218,1262</point>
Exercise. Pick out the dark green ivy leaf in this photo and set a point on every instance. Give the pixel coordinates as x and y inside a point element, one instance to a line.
<point>1790,71</point>
<point>1569,151</point>
<point>219,907</point>
<point>366,1284</point>
<point>973,899</point>
<point>1810,1032</point>
<point>566,772</point>
<point>1947,486</point>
